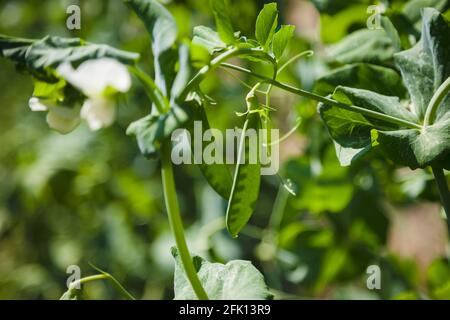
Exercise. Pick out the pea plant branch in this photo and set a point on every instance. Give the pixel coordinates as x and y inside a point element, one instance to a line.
<point>313,96</point>
<point>381,121</point>
<point>176,223</point>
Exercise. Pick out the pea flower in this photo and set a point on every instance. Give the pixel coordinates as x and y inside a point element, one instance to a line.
<point>99,80</point>
<point>60,118</point>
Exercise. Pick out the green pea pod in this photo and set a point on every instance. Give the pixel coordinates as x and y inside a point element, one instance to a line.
<point>246,183</point>
<point>216,174</point>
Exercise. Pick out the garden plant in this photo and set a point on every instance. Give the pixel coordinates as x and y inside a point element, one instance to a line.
<point>382,98</point>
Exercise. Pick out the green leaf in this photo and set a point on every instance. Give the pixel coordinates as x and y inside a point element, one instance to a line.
<point>163,32</point>
<point>427,65</point>
<point>335,6</point>
<point>246,182</point>
<point>351,130</point>
<point>152,130</point>
<point>266,24</point>
<point>392,33</point>
<point>222,14</point>
<point>281,40</point>
<point>348,156</point>
<point>412,9</point>
<point>184,72</point>
<point>218,175</point>
<point>372,46</point>
<point>424,68</point>
<point>209,39</point>
<point>361,76</point>
<point>42,57</point>
<point>159,23</point>
<point>417,149</point>
<point>236,280</point>
<point>328,191</point>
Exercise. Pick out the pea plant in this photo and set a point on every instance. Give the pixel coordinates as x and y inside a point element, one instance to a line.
<point>76,80</point>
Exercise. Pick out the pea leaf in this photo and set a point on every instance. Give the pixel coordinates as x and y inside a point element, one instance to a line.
<point>417,149</point>
<point>183,75</point>
<point>427,65</point>
<point>236,280</point>
<point>159,23</point>
<point>266,24</point>
<point>152,130</point>
<point>42,57</point>
<point>246,181</point>
<point>163,32</point>
<point>392,33</point>
<point>361,76</point>
<point>222,14</point>
<point>371,46</point>
<point>424,68</point>
<point>209,39</point>
<point>281,39</point>
<point>412,9</point>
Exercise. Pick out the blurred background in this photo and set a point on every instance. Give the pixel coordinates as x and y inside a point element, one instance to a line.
<point>92,198</point>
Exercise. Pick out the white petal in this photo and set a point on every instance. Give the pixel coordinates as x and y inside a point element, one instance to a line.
<point>99,113</point>
<point>36,104</point>
<point>62,119</point>
<point>93,77</point>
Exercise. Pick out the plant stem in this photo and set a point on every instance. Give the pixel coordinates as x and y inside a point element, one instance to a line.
<point>176,223</point>
<point>441,182</point>
<point>152,90</point>
<point>436,101</point>
<point>307,94</point>
<point>104,276</point>
<point>217,61</point>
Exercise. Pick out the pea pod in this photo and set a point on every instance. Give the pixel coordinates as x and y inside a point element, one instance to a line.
<point>246,183</point>
<point>217,175</point>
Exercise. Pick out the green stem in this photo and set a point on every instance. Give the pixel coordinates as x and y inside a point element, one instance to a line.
<point>104,276</point>
<point>436,101</point>
<point>152,90</point>
<point>310,95</point>
<point>176,223</point>
<point>217,61</point>
<point>441,182</point>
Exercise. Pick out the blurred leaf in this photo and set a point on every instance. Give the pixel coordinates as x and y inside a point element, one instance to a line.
<point>412,9</point>
<point>42,57</point>
<point>159,23</point>
<point>361,76</point>
<point>152,130</point>
<point>221,10</point>
<point>236,280</point>
<point>334,6</point>
<point>184,72</point>
<point>328,191</point>
<point>163,32</point>
<point>372,46</point>
<point>392,33</point>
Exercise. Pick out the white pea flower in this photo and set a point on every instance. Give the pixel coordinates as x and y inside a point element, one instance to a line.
<point>99,80</point>
<point>59,118</point>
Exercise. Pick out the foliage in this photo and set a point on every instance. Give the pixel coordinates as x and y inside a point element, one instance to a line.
<point>383,98</point>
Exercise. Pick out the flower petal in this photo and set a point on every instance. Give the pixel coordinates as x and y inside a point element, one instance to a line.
<point>99,113</point>
<point>36,104</point>
<point>63,119</point>
<point>93,77</point>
